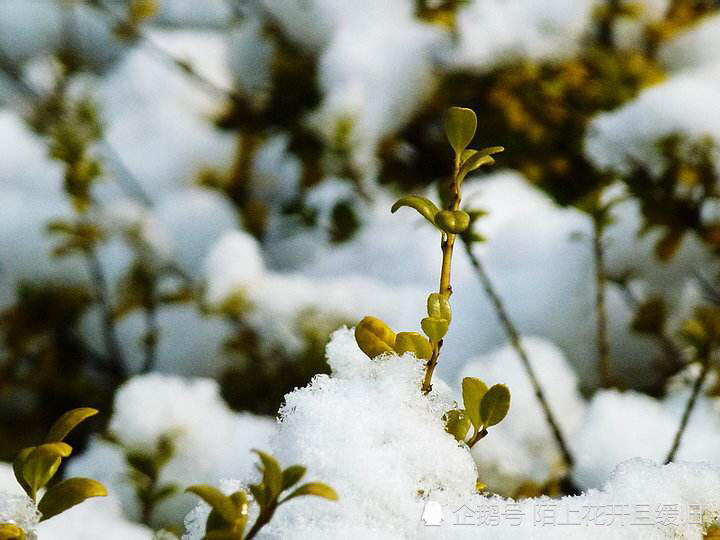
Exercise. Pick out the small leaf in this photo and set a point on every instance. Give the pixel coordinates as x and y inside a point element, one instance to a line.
<point>42,463</point>
<point>425,207</point>
<point>219,502</point>
<point>414,343</point>
<point>317,489</point>
<point>438,306</point>
<point>258,493</point>
<point>473,390</point>
<point>67,422</point>
<point>460,127</point>
<point>452,222</point>
<point>18,466</point>
<point>164,492</point>
<point>457,424</point>
<point>495,405</point>
<point>434,328</point>
<point>240,500</point>
<point>292,475</point>
<point>69,493</point>
<point>8,531</point>
<point>374,337</point>
<point>474,159</point>
<point>272,474</point>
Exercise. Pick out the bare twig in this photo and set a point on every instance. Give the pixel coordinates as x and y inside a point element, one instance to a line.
<point>102,295</point>
<point>152,330</point>
<point>672,355</point>
<point>165,55</point>
<point>603,343</point>
<point>712,294</point>
<point>692,400</point>
<point>516,343</point>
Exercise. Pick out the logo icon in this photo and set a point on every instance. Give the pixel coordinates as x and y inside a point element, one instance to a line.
<point>432,514</point>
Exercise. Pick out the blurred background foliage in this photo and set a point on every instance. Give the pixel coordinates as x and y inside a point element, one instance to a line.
<point>539,110</point>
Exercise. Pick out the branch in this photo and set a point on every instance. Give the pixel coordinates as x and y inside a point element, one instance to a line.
<point>447,245</point>
<point>516,343</point>
<point>603,343</point>
<point>112,346</point>
<point>692,401</point>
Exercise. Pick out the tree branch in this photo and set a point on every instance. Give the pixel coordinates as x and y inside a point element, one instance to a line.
<point>516,343</point>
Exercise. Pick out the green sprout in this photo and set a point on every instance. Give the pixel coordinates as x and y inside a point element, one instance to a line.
<point>373,336</point>
<point>484,407</point>
<point>230,514</point>
<point>36,466</point>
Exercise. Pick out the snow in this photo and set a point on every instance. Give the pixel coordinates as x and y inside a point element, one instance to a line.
<point>694,48</point>
<point>19,510</point>
<point>494,32</point>
<point>642,427</point>
<point>100,517</point>
<point>619,138</point>
<point>394,458</point>
<point>210,441</point>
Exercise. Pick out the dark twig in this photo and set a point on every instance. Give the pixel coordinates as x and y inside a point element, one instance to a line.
<point>102,295</point>
<point>603,343</point>
<point>165,55</point>
<point>711,293</point>
<point>692,400</point>
<point>516,343</point>
<point>152,330</point>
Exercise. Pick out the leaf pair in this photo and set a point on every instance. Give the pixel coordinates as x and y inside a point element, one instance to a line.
<point>374,338</point>
<point>228,518</point>
<point>460,128</point>
<point>484,407</point>
<point>229,515</point>
<point>448,221</point>
<point>35,466</point>
<point>436,324</point>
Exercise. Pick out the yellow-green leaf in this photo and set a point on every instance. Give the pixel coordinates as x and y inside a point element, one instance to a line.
<point>219,502</point>
<point>67,422</point>
<point>494,405</point>
<point>272,474</point>
<point>8,531</point>
<point>18,466</point>
<point>452,222</point>
<point>425,207</point>
<point>374,337</point>
<point>292,475</point>
<point>438,306</point>
<point>317,489</point>
<point>457,424</point>
<point>69,493</point>
<point>473,391</point>
<point>460,127</point>
<point>240,500</point>
<point>42,463</point>
<point>434,328</point>
<point>414,343</point>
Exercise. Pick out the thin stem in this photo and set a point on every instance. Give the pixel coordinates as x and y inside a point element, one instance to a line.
<point>447,246</point>
<point>603,343</point>
<point>516,343</point>
<point>152,332</point>
<point>102,296</point>
<point>480,434</point>
<point>606,31</point>
<point>673,358</point>
<point>262,520</point>
<point>692,401</point>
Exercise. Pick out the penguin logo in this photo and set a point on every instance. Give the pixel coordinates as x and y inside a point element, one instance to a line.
<point>432,514</point>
